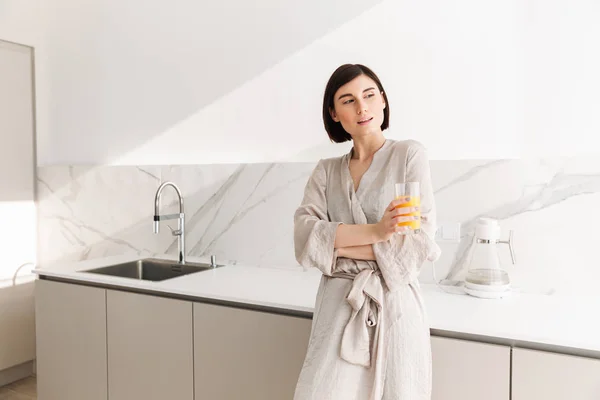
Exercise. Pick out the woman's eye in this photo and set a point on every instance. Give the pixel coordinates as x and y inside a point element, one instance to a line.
<point>348,101</point>
<point>370,95</point>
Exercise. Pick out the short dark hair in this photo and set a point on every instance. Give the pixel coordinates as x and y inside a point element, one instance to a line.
<point>342,75</point>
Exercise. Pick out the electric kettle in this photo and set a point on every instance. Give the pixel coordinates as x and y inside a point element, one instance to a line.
<point>485,276</point>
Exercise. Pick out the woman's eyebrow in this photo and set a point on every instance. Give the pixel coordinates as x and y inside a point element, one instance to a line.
<point>348,94</point>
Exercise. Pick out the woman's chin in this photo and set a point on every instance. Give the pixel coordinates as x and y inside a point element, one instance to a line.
<point>365,133</point>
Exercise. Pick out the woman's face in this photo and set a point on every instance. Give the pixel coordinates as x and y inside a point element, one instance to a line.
<point>358,106</point>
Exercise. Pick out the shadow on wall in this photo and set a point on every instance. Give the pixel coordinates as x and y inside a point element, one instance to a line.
<point>146,80</point>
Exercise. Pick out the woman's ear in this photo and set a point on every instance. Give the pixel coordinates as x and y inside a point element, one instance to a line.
<point>333,115</point>
<point>383,100</point>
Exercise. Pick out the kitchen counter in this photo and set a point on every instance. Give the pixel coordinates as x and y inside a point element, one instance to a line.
<point>563,324</point>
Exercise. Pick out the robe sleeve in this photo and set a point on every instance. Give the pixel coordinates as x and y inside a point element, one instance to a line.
<point>402,256</point>
<point>314,233</point>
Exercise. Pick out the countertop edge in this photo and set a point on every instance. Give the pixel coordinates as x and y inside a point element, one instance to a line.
<point>296,311</point>
<point>516,343</point>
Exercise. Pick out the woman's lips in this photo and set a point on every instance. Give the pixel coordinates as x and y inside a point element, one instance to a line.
<point>365,122</point>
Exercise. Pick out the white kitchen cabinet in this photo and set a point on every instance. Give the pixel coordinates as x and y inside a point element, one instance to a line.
<point>551,376</point>
<point>244,354</point>
<point>17,206</point>
<point>466,370</point>
<point>150,349</point>
<point>71,341</point>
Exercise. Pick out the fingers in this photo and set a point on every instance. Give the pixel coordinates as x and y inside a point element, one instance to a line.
<point>395,203</point>
<point>397,228</point>
<point>406,210</point>
<point>406,218</point>
<point>401,224</point>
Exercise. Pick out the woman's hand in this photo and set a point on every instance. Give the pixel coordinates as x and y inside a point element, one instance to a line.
<point>392,217</point>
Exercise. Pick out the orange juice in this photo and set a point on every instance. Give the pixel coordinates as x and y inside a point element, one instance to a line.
<point>414,201</point>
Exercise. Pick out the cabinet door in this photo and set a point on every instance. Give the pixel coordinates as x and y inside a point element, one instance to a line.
<point>550,376</point>
<point>71,341</point>
<point>466,370</point>
<point>250,355</point>
<point>150,351</point>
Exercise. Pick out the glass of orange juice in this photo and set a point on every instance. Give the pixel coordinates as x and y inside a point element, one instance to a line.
<point>412,191</point>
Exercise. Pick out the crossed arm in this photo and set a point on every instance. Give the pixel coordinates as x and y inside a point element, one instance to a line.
<point>363,252</point>
<point>318,241</point>
<point>355,241</point>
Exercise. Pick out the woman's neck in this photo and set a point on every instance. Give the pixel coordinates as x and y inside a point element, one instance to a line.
<point>366,146</point>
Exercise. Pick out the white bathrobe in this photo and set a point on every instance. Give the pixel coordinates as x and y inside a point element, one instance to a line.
<point>370,335</point>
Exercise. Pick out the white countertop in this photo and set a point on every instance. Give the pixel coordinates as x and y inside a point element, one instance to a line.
<point>546,320</point>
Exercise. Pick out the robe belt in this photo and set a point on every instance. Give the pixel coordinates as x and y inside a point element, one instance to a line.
<point>360,345</point>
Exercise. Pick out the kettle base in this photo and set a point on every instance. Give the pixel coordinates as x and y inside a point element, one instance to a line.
<point>487,291</point>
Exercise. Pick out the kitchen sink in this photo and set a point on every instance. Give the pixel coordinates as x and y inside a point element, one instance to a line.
<point>151,269</point>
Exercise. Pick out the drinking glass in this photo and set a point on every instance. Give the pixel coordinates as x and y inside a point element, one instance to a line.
<point>412,191</point>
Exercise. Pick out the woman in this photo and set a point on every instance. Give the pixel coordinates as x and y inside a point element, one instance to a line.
<point>370,337</point>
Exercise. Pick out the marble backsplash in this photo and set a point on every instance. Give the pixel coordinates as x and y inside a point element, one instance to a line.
<point>244,213</point>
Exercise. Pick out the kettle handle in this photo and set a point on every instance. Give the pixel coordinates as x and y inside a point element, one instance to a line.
<point>509,242</point>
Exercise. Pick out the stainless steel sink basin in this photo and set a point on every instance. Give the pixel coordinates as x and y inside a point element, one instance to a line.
<point>151,269</point>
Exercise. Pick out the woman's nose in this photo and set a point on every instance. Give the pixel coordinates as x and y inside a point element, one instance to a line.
<point>361,107</point>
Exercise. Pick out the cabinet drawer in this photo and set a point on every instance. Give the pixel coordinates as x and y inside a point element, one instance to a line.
<point>466,370</point>
<point>551,376</point>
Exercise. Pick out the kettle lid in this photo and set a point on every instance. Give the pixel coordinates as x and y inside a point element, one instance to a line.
<point>487,229</point>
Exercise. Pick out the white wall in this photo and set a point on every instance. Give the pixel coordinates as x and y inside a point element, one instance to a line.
<point>449,88</point>
<point>562,54</point>
<point>19,21</point>
<point>134,82</point>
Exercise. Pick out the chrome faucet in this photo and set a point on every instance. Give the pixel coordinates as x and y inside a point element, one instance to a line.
<point>180,231</point>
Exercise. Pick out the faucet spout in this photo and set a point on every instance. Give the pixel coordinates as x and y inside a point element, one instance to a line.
<point>159,192</point>
<point>180,232</point>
